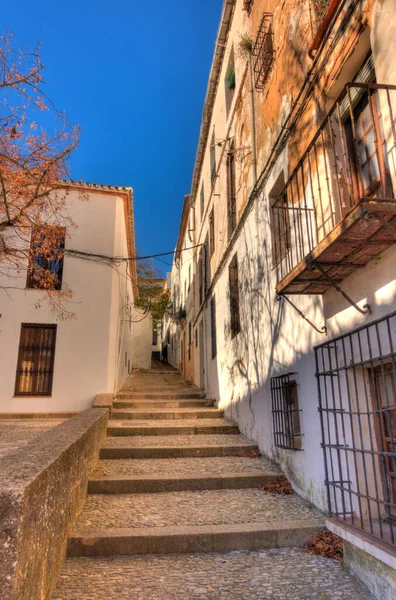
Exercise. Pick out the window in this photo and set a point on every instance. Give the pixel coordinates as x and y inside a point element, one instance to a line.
<point>230,81</point>
<point>202,201</point>
<point>234,297</point>
<point>211,232</point>
<point>45,268</point>
<point>196,338</point>
<point>213,326</point>
<point>126,358</point>
<point>356,375</point>
<point>155,337</point>
<point>285,412</point>
<point>35,366</point>
<point>263,52</point>
<point>231,190</point>
<point>189,340</point>
<point>213,167</point>
<point>280,228</point>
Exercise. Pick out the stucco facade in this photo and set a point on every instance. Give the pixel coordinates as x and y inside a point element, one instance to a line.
<point>94,351</point>
<point>260,135</point>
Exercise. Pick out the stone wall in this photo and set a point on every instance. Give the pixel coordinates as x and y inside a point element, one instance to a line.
<point>42,489</point>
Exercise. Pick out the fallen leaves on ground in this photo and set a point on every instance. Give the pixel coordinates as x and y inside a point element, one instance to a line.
<point>280,485</point>
<point>326,543</point>
<point>250,454</point>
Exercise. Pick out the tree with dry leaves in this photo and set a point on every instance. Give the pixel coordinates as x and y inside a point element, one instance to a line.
<point>36,142</point>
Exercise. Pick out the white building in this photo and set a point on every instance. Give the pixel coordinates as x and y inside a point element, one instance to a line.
<point>51,365</point>
<point>293,197</point>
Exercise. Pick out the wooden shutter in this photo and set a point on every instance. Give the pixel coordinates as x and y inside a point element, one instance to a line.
<point>35,367</point>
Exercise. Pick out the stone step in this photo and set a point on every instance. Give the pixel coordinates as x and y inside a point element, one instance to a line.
<point>191,521</point>
<point>172,540</point>
<point>176,446</point>
<point>282,573</point>
<point>118,412</point>
<point>155,403</point>
<point>165,395</point>
<point>164,483</point>
<point>172,427</point>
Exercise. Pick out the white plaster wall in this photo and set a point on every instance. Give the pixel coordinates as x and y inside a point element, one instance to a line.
<point>274,339</point>
<point>85,355</point>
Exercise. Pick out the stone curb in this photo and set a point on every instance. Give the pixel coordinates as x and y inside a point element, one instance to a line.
<point>186,394</point>
<point>162,483</point>
<point>203,538</point>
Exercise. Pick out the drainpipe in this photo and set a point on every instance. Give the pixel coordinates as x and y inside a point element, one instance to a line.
<point>252,122</point>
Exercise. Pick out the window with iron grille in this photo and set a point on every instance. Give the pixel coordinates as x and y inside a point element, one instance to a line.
<point>213,167</point>
<point>263,52</point>
<point>230,81</point>
<point>35,366</point>
<point>234,297</point>
<point>280,229</point>
<point>231,190</point>
<point>356,375</point>
<point>202,197</point>
<point>213,326</point>
<point>189,340</point>
<point>212,232</point>
<point>46,253</point>
<point>286,412</point>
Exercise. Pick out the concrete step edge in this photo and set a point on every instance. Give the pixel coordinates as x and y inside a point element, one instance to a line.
<point>178,483</point>
<point>191,413</point>
<point>174,451</point>
<point>200,538</point>
<point>126,430</point>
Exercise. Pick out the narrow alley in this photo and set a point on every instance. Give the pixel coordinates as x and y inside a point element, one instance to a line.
<point>175,511</point>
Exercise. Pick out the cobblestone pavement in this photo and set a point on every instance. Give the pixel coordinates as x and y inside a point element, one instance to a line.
<point>285,574</point>
<point>15,433</point>
<point>183,466</point>
<point>208,507</point>
<point>175,440</point>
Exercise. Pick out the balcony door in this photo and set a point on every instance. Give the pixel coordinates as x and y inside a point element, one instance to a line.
<point>367,147</point>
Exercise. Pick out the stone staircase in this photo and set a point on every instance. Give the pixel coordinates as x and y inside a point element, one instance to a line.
<point>175,477</point>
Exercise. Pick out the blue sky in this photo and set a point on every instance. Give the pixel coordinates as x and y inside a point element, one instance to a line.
<point>133,74</point>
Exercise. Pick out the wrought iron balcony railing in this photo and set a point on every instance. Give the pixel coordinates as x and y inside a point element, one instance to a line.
<point>337,209</point>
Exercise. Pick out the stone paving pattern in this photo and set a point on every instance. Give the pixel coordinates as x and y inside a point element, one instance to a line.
<point>183,466</point>
<point>16,433</point>
<point>176,440</point>
<point>207,507</point>
<point>287,574</point>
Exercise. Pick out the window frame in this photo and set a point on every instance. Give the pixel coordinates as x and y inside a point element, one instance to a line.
<point>35,371</point>
<point>235,318</point>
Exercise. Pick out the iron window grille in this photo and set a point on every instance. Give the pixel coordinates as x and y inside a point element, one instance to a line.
<point>231,191</point>
<point>356,375</point>
<point>213,166</point>
<point>286,412</point>
<point>35,366</point>
<point>263,52</point>
<point>213,326</point>
<point>211,232</point>
<point>234,297</point>
<point>45,270</point>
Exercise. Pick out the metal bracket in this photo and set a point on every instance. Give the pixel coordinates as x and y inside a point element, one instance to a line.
<point>366,307</point>
<point>386,224</point>
<point>324,328</point>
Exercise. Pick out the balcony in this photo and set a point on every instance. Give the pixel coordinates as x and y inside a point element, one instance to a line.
<point>337,210</point>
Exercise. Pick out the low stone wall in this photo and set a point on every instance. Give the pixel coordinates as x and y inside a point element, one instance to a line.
<point>42,489</point>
